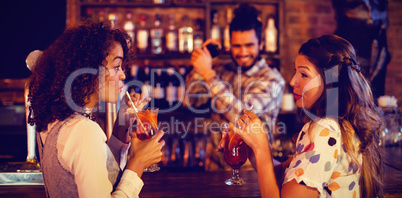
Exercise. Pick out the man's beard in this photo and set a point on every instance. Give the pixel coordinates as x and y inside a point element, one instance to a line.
<point>243,68</point>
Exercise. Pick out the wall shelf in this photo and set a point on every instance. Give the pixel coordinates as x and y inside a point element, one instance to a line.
<point>195,10</point>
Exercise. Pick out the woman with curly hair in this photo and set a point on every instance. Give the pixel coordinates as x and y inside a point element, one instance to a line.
<point>337,152</point>
<point>81,69</point>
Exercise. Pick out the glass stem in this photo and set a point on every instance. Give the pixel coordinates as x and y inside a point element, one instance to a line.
<point>236,172</point>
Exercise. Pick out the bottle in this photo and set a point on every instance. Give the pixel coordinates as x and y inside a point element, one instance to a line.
<point>186,36</point>
<point>90,14</point>
<point>198,34</point>
<point>142,36</point>
<point>171,89</point>
<point>271,36</point>
<point>101,14</point>
<point>171,36</point>
<point>132,79</point>
<point>129,27</point>
<point>159,89</point>
<point>226,33</point>
<point>181,89</point>
<point>158,1</point>
<point>156,36</point>
<point>146,87</point>
<point>215,29</point>
<point>113,18</point>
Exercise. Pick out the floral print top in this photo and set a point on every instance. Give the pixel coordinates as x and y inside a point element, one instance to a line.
<point>321,161</point>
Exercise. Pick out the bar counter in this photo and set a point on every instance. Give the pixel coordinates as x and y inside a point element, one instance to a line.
<point>171,183</point>
<point>198,184</point>
<point>185,182</point>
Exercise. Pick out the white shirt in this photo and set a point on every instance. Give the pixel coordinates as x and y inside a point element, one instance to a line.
<point>82,150</point>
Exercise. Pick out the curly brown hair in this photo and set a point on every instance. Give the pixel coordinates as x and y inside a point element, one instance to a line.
<point>82,47</point>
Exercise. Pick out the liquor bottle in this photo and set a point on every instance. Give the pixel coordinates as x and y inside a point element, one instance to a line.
<point>198,34</point>
<point>171,36</point>
<point>101,14</point>
<point>226,33</point>
<point>215,29</point>
<point>158,1</point>
<point>171,89</point>
<point>156,36</point>
<point>159,89</point>
<point>146,87</point>
<point>181,89</point>
<point>132,79</point>
<point>186,36</point>
<point>134,71</point>
<point>129,27</point>
<point>89,14</point>
<point>142,36</point>
<point>271,36</point>
<point>113,18</point>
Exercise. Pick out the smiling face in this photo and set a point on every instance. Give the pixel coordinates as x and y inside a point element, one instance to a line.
<point>307,83</point>
<point>112,75</point>
<point>244,47</point>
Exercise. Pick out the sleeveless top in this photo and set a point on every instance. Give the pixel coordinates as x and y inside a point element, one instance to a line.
<point>58,181</point>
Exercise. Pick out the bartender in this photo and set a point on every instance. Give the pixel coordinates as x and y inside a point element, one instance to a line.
<point>247,80</point>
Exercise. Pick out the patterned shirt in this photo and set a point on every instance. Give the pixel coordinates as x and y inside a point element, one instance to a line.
<point>230,92</point>
<point>321,161</point>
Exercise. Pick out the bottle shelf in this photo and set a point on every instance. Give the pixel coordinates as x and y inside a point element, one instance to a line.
<point>193,9</point>
<point>242,1</point>
<point>165,56</point>
<point>142,5</point>
<point>226,55</point>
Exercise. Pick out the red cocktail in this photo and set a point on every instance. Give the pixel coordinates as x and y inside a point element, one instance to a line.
<point>235,155</point>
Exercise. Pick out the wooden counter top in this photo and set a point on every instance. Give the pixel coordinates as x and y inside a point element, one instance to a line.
<point>198,183</point>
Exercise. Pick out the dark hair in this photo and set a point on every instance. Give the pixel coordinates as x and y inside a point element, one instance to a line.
<point>246,18</point>
<point>352,104</point>
<point>85,46</point>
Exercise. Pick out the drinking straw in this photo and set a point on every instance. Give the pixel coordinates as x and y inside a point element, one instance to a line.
<point>135,111</point>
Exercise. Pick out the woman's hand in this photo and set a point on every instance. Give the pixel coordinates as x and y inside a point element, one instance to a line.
<point>144,153</point>
<point>225,136</point>
<point>250,129</point>
<point>124,120</point>
<point>140,101</point>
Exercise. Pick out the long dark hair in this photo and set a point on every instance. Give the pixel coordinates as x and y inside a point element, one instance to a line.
<point>351,103</point>
<point>82,47</point>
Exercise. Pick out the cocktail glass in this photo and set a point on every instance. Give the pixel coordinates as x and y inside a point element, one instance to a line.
<point>235,155</point>
<point>147,128</point>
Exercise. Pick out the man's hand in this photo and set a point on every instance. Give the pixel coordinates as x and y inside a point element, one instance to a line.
<point>201,59</point>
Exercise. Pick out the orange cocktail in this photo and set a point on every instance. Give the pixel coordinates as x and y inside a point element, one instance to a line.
<point>148,126</point>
